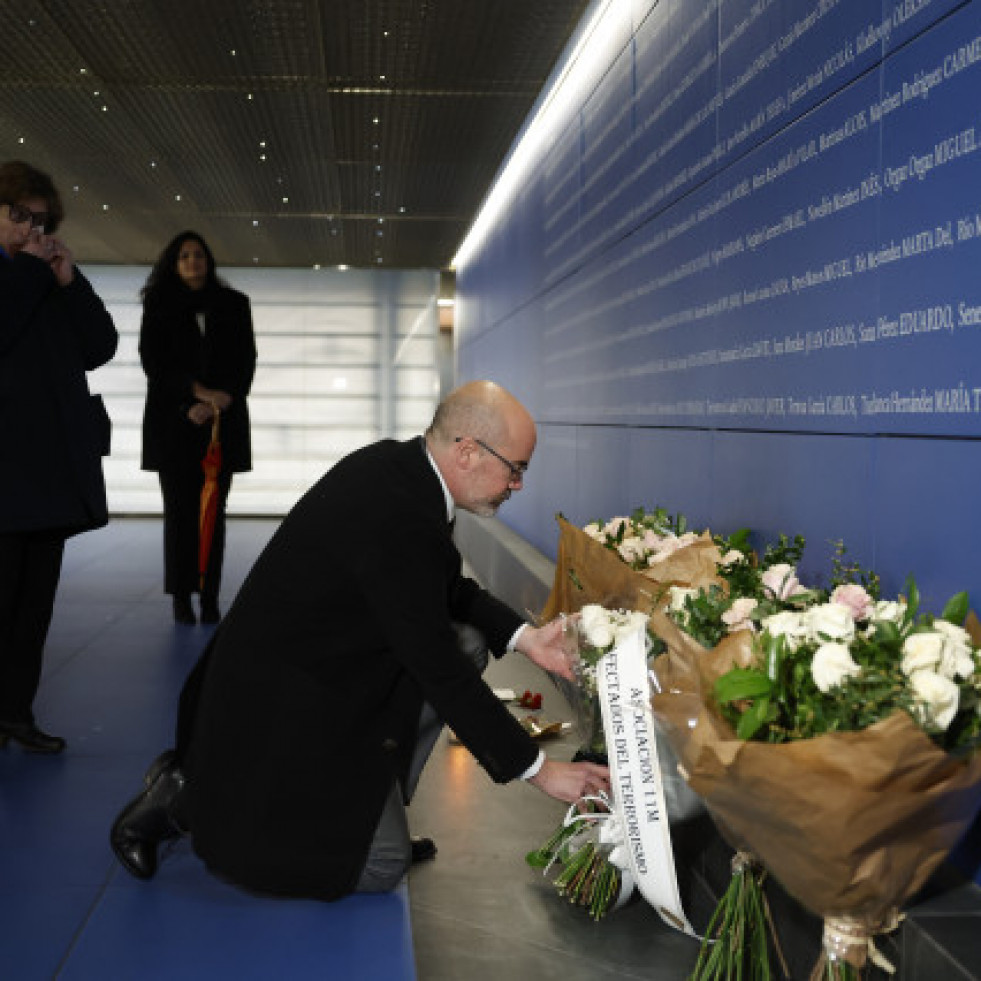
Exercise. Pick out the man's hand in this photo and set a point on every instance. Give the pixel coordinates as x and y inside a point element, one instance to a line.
<point>570,781</point>
<point>546,647</point>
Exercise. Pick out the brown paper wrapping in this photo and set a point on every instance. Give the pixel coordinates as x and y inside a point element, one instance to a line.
<point>604,578</point>
<point>851,824</point>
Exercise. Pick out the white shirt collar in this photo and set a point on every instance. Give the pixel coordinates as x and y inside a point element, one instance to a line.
<point>447,496</point>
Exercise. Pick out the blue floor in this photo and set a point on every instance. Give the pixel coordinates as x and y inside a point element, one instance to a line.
<point>114,665</point>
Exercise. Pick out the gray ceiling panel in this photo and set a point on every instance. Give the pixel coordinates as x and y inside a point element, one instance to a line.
<point>288,132</point>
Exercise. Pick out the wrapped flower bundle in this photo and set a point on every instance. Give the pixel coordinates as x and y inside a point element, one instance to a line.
<point>837,744</point>
<point>610,565</point>
<point>626,563</point>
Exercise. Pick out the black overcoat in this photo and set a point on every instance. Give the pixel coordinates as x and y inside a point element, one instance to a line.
<point>175,353</point>
<point>54,432</point>
<point>306,705</point>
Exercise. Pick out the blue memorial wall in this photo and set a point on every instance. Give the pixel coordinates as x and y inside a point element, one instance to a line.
<point>741,278</point>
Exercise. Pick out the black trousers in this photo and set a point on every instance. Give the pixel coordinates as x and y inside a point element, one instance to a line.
<point>181,487</point>
<point>30,567</point>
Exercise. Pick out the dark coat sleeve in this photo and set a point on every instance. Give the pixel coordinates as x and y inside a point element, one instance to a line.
<point>55,431</point>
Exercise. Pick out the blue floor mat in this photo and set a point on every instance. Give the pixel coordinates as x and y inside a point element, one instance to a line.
<point>114,665</point>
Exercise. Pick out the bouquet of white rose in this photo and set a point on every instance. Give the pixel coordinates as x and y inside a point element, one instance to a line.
<point>837,746</point>
<point>590,635</point>
<point>584,846</point>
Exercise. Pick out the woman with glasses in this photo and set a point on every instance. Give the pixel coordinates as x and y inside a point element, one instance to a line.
<point>53,330</point>
<point>197,348</point>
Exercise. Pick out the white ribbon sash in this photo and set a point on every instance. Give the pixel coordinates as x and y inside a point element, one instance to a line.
<point>635,777</point>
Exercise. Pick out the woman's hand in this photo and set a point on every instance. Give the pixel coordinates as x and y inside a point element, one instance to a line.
<point>200,413</point>
<point>61,260</point>
<point>221,400</point>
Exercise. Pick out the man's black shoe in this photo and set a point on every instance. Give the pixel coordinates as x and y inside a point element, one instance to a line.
<point>145,822</point>
<point>30,738</point>
<point>423,849</point>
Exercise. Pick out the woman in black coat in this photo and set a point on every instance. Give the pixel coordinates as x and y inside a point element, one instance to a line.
<point>198,350</point>
<point>53,329</point>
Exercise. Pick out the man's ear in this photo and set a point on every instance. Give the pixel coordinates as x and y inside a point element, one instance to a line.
<point>464,455</point>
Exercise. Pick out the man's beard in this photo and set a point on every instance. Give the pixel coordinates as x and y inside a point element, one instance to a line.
<point>487,509</point>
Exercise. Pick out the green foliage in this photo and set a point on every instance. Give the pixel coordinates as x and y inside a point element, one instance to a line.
<point>843,573</point>
<point>777,700</point>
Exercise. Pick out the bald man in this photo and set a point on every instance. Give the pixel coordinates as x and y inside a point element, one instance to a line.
<point>303,730</point>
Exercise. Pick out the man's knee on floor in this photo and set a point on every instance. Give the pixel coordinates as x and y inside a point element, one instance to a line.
<point>385,868</point>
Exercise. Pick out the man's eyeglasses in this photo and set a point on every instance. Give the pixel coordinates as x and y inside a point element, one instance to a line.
<point>517,469</point>
<point>18,214</point>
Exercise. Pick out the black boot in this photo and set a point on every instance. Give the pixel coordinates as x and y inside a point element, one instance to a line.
<point>183,611</point>
<point>148,820</point>
<point>209,609</point>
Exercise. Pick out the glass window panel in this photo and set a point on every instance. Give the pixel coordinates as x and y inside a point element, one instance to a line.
<point>321,379</point>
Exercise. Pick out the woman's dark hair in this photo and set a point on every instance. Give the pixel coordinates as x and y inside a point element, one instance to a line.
<point>163,279</point>
<point>19,181</point>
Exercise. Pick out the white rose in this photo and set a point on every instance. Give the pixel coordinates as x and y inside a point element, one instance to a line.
<point>889,610</point>
<point>831,665</point>
<point>677,596</point>
<point>595,623</point>
<point>922,652</point>
<point>594,531</point>
<point>780,581</point>
<point>830,621</point>
<point>958,655</point>
<point>731,558</point>
<point>629,624</point>
<point>631,549</point>
<point>937,698</point>
<point>787,623</point>
<point>737,616</point>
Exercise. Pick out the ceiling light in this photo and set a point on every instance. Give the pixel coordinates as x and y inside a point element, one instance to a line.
<point>552,110</point>
<point>255,222</point>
